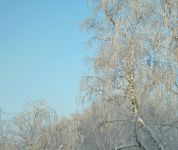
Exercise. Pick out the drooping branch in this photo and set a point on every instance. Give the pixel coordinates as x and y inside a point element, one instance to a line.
<point>126,147</point>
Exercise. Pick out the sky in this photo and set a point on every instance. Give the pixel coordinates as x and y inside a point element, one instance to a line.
<point>41,53</point>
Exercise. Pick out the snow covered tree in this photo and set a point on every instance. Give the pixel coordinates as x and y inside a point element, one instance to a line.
<point>136,64</point>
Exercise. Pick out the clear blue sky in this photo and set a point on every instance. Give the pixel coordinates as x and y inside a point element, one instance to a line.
<point>41,51</point>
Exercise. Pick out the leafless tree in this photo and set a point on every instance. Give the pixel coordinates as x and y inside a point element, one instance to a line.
<point>32,127</point>
<point>136,65</point>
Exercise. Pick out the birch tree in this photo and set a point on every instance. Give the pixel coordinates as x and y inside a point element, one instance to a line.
<point>136,65</point>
